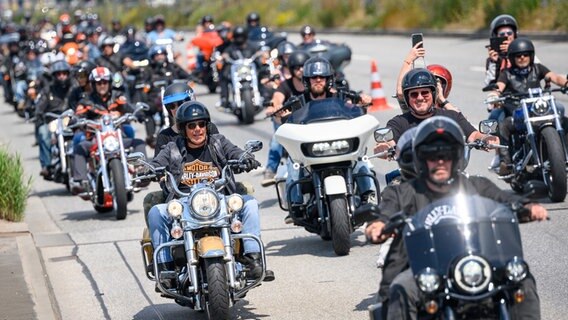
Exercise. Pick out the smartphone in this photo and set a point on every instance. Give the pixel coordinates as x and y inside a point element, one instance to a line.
<point>495,43</point>
<point>417,37</point>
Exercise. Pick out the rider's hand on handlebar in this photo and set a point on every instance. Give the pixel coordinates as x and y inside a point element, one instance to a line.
<point>490,139</point>
<point>250,164</point>
<point>381,147</point>
<point>374,232</point>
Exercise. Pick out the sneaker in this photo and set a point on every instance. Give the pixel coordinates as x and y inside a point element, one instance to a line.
<point>288,220</point>
<point>268,179</point>
<point>77,187</point>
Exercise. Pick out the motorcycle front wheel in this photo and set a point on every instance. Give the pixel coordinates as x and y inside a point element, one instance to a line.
<point>118,187</point>
<point>248,107</point>
<point>218,302</point>
<point>554,164</point>
<point>340,225</point>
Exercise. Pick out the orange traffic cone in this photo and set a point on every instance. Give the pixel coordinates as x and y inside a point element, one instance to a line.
<point>377,93</point>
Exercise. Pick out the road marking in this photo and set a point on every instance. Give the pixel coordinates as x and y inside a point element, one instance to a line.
<point>477,69</point>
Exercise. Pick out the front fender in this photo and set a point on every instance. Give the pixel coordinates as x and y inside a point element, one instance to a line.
<point>210,247</point>
<point>334,185</point>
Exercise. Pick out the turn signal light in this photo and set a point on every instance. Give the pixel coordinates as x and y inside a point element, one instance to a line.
<point>519,296</point>
<point>431,307</point>
<point>236,226</point>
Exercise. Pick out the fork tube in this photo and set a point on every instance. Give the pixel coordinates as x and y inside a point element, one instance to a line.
<point>192,262</point>
<point>559,127</point>
<point>106,184</point>
<point>123,160</point>
<point>61,145</point>
<point>530,134</point>
<point>229,259</point>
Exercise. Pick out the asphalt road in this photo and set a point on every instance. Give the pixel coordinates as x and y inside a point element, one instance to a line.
<point>94,263</point>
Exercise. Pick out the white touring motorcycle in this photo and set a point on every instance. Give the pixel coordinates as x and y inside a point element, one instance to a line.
<point>325,141</point>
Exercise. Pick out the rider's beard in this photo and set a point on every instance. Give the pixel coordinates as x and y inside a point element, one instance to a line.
<point>317,91</point>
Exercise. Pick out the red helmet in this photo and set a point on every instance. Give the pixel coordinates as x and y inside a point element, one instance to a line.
<point>100,74</point>
<point>444,75</point>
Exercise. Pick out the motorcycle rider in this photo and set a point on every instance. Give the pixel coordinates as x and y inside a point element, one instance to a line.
<point>438,150</point>
<point>253,23</point>
<point>523,74</point>
<point>160,31</point>
<point>503,25</point>
<point>33,72</point>
<point>211,151</point>
<point>103,100</point>
<point>308,34</point>
<point>108,58</point>
<point>419,86</point>
<point>83,87</point>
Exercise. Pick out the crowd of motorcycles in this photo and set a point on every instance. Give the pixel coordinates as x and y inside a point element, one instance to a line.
<point>207,243</point>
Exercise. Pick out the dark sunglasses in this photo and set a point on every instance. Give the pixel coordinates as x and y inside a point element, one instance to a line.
<point>505,33</point>
<point>437,152</point>
<point>102,82</point>
<point>193,125</point>
<point>438,156</point>
<point>522,54</point>
<point>424,93</point>
<point>59,73</point>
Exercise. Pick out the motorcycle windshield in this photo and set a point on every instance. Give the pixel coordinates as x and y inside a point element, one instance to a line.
<point>325,110</point>
<point>451,228</point>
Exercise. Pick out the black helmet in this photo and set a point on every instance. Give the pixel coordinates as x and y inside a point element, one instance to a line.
<point>253,17</point>
<point>404,154</point>
<point>156,50</point>
<point>418,78</point>
<point>501,21</point>
<point>240,35</point>
<point>149,21</point>
<point>60,66</point>
<point>307,29</point>
<point>106,41</point>
<point>206,19</point>
<point>176,94</point>
<point>520,45</point>
<point>318,66</point>
<point>159,19</point>
<point>297,59</point>
<point>438,136</point>
<point>285,47</point>
<point>191,111</point>
<point>84,68</point>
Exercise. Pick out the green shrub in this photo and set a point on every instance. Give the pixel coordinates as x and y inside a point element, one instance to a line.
<point>14,188</point>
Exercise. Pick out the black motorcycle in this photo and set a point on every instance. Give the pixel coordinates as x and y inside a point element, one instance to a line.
<point>466,256</point>
<point>538,145</point>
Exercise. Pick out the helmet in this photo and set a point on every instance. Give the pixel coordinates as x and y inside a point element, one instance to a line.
<point>297,59</point>
<point>84,67</point>
<point>253,17</point>
<point>404,154</point>
<point>418,78</point>
<point>100,74</point>
<point>240,35</point>
<point>206,19</point>
<point>307,29</point>
<point>444,75</point>
<point>176,94</point>
<point>106,41</point>
<point>501,21</point>
<point>318,66</point>
<point>438,135</point>
<point>156,50</point>
<point>149,21</point>
<point>130,31</point>
<point>60,66</point>
<point>65,19</point>
<point>159,19</point>
<point>285,47</point>
<point>520,45</point>
<point>191,111</point>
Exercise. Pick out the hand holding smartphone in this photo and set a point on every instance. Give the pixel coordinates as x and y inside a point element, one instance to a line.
<point>496,42</point>
<point>416,38</point>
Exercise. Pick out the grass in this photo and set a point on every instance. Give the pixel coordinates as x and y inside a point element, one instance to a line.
<point>14,188</point>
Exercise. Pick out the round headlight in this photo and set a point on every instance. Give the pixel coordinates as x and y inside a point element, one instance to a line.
<point>204,203</point>
<point>516,269</point>
<point>428,280</point>
<point>110,143</point>
<point>52,126</point>
<point>235,202</point>
<point>472,274</point>
<point>175,208</point>
<point>540,107</point>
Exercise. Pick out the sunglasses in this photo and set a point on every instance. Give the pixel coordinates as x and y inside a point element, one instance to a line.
<point>424,93</point>
<point>522,54</point>
<point>102,82</point>
<point>505,33</point>
<point>438,156</point>
<point>437,152</point>
<point>60,73</point>
<point>193,125</point>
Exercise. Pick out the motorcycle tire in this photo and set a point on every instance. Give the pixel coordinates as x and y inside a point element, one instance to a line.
<point>555,176</point>
<point>340,225</point>
<point>218,301</point>
<point>248,110</point>
<point>116,178</point>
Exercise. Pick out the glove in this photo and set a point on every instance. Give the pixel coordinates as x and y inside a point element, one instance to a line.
<point>250,164</point>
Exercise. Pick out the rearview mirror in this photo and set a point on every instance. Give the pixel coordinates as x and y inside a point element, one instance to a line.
<point>384,135</point>
<point>253,145</point>
<point>488,126</point>
<point>141,106</point>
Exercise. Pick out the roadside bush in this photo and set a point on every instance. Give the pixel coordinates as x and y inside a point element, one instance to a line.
<point>14,188</point>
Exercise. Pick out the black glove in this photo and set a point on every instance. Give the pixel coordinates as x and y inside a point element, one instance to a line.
<point>140,117</point>
<point>250,164</point>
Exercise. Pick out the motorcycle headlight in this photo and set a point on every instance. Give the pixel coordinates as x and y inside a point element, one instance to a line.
<point>516,269</point>
<point>243,71</point>
<point>175,209</point>
<point>330,148</point>
<point>204,203</point>
<point>472,274</point>
<point>235,202</point>
<point>428,280</point>
<point>540,108</point>
<point>52,126</point>
<point>110,143</point>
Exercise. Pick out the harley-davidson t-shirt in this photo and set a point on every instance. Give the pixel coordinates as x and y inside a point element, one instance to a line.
<point>198,166</point>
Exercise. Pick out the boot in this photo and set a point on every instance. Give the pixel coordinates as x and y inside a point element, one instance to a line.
<point>254,264</point>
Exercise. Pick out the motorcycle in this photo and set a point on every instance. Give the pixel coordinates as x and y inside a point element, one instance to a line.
<point>60,169</point>
<point>262,37</point>
<point>339,55</point>
<point>138,53</point>
<point>244,94</point>
<point>466,255</point>
<point>110,186</point>
<point>329,187</point>
<point>207,243</point>
<point>537,146</point>
<point>205,69</point>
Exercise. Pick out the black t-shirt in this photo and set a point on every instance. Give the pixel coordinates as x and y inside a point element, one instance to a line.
<point>405,121</point>
<point>288,89</point>
<point>197,166</point>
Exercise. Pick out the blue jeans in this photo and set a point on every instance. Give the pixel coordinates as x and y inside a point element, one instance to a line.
<point>160,223</point>
<point>275,152</point>
<point>21,88</point>
<point>44,143</point>
<point>364,183</point>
